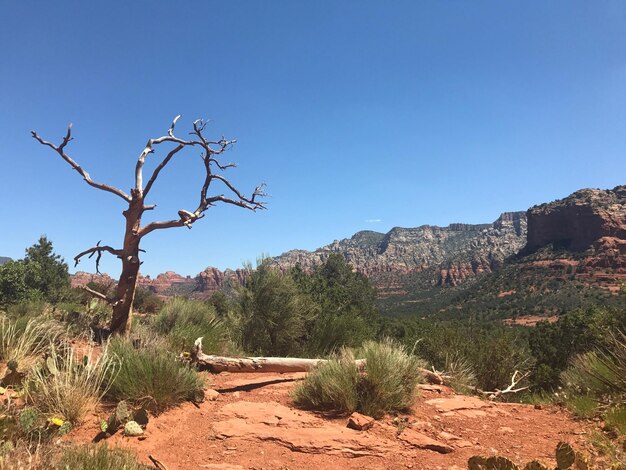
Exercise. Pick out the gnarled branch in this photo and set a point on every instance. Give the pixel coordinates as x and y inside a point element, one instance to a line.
<point>211,150</point>
<point>60,149</point>
<point>515,380</point>
<point>96,250</point>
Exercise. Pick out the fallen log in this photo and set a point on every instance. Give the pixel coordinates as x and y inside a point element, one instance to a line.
<point>216,364</point>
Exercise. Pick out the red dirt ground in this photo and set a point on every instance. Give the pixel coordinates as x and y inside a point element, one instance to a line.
<point>253,425</point>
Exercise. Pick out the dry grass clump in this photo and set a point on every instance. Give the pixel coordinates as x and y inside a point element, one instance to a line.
<point>66,386</point>
<point>331,386</point>
<point>388,384</point>
<point>97,457</point>
<point>152,376</point>
<point>183,321</point>
<point>25,343</point>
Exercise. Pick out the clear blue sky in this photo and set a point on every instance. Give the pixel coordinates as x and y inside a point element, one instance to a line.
<point>357,114</point>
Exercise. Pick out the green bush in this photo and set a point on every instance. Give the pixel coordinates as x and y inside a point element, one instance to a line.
<point>601,372</point>
<point>332,332</point>
<point>146,301</point>
<point>390,379</point>
<point>153,377</point>
<point>183,321</point>
<point>273,313</point>
<point>97,457</point>
<point>331,386</point>
<point>387,385</point>
<point>615,418</point>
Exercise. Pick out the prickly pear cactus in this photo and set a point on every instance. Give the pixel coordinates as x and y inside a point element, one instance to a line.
<point>535,465</point>
<point>52,365</point>
<point>65,428</point>
<point>122,414</point>
<point>119,417</point>
<point>500,463</point>
<point>28,419</point>
<point>477,462</point>
<point>140,416</point>
<point>565,456</point>
<point>132,429</point>
<point>581,463</point>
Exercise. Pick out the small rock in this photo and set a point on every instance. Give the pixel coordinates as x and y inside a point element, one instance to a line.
<point>421,441</point>
<point>236,394</point>
<point>430,387</point>
<point>505,430</point>
<point>211,395</point>
<point>360,422</point>
<point>449,437</point>
<point>462,444</point>
<point>538,406</point>
<point>132,429</point>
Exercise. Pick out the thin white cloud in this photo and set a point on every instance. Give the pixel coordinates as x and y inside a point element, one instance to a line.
<point>373,221</point>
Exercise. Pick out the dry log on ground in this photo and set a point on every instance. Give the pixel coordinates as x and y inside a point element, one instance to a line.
<point>217,364</point>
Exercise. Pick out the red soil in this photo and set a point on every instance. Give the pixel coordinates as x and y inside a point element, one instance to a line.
<point>253,425</point>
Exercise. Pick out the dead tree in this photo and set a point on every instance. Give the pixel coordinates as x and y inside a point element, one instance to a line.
<point>211,151</point>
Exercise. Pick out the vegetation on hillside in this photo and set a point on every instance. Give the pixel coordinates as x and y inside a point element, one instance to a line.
<point>577,360</point>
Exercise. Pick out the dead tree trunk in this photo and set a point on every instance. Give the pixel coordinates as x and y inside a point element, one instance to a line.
<point>217,364</point>
<point>122,302</point>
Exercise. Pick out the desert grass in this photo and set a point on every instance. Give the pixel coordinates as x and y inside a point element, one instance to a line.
<point>67,386</point>
<point>152,376</point>
<point>183,321</point>
<point>25,342</point>
<point>332,386</point>
<point>387,385</point>
<point>97,457</point>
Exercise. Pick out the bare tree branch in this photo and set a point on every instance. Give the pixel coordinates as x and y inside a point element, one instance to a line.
<point>95,293</point>
<point>211,149</point>
<point>515,380</point>
<point>60,150</point>
<point>158,169</point>
<point>97,250</point>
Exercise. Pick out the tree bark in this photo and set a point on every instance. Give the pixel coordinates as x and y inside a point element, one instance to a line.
<point>127,285</point>
<point>217,364</point>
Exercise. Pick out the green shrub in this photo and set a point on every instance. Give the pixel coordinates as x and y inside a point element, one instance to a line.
<point>153,377</point>
<point>68,386</point>
<point>390,380</point>
<point>600,372</point>
<point>97,457</point>
<point>615,418</point>
<point>583,406</point>
<point>146,301</point>
<point>461,372</point>
<point>183,321</point>
<point>387,385</point>
<point>331,386</point>
<point>331,332</point>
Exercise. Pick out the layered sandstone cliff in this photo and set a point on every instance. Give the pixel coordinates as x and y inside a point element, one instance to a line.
<point>459,250</point>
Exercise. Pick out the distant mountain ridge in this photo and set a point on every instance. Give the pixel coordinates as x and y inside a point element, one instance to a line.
<point>459,250</point>
<point>557,253</point>
<point>4,260</point>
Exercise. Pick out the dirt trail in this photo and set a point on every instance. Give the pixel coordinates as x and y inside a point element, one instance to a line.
<point>253,425</point>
